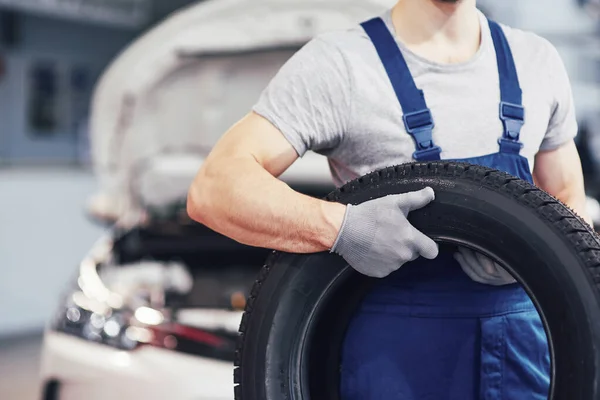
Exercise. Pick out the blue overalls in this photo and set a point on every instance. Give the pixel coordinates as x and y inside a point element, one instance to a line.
<point>428,332</point>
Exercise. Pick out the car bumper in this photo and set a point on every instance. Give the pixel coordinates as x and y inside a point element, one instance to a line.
<point>86,370</point>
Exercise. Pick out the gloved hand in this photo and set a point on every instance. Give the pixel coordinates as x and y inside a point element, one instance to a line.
<point>481,269</point>
<point>376,238</point>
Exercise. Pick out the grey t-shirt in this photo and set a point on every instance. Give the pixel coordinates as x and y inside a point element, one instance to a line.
<point>334,97</point>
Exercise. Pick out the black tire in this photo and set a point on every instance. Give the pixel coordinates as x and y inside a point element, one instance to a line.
<point>283,351</point>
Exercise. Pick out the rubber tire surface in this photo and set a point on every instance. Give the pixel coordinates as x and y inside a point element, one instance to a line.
<point>295,319</point>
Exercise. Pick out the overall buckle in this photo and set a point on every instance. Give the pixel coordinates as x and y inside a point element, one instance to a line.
<point>513,118</point>
<point>419,125</point>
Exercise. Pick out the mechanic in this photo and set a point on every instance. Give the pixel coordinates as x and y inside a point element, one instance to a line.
<point>449,324</point>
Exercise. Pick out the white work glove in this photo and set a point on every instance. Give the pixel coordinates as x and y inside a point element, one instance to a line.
<point>481,269</point>
<point>376,238</point>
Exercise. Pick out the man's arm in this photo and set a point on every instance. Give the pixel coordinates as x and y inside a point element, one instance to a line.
<point>307,106</point>
<point>237,194</point>
<point>557,165</point>
<point>559,173</point>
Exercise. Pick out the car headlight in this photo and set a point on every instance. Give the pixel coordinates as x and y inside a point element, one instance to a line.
<point>91,311</point>
<point>95,321</point>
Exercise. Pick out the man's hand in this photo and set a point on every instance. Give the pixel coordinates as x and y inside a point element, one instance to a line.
<point>376,239</point>
<point>481,269</point>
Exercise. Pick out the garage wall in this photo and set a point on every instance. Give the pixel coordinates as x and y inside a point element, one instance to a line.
<point>43,236</point>
<point>43,232</point>
<point>65,43</point>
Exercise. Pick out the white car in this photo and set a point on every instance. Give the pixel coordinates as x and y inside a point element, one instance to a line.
<point>148,329</point>
<point>154,308</point>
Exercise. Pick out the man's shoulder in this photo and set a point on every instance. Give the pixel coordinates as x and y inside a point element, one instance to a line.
<point>347,41</point>
<point>529,46</point>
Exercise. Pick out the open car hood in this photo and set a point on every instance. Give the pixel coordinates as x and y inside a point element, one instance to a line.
<point>164,102</point>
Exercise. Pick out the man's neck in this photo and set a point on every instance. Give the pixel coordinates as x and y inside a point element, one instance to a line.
<point>442,31</point>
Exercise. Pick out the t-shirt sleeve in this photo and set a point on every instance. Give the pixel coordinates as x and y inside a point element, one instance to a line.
<point>308,100</point>
<point>563,122</point>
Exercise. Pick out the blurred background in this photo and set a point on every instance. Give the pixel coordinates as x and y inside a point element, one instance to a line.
<point>107,109</point>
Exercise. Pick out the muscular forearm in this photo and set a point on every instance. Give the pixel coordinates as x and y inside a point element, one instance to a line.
<point>241,200</point>
<point>559,173</point>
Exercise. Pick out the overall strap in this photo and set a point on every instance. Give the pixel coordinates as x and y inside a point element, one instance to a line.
<point>512,112</point>
<point>417,117</point>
